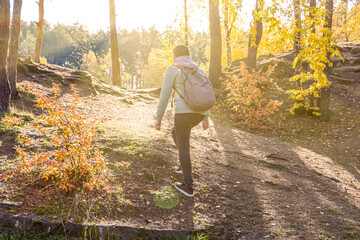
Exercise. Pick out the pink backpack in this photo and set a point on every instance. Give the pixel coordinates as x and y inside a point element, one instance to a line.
<point>199,93</point>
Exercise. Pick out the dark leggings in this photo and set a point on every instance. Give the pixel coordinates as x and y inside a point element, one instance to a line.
<point>184,122</point>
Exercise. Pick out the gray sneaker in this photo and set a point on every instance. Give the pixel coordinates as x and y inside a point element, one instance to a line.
<point>185,189</point>
<point>179,170</point>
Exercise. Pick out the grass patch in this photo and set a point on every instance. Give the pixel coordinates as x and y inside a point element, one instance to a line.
<point>197,236</point>
<point>48,209</point>
<point>166,197</point>
<point>336,211</point>
<point>24,115</point>
<point>279,233</point>
<point>352,233</point>
<point>32,236</point>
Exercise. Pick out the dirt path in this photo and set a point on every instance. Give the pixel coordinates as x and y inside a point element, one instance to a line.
<point>247,186</point>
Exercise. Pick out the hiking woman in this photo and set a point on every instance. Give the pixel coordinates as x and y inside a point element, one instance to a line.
<point>185,118</point>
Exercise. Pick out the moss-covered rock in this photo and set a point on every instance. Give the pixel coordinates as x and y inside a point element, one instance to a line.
<point>37,225</point>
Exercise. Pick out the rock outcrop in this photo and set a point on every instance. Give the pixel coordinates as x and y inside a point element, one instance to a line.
<point>345,69</point>
<point>82,79</point>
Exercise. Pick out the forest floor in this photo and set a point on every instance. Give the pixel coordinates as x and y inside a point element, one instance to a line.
<point>298,180</point>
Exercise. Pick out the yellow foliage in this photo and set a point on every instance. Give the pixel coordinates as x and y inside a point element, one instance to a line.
<point>345,22</point>
<point>99,66</point>
<point>43,60</point>
<point>275,40</point>
<point>153,73</point>
<point>239,45</point>
<point>316,45</point>
<point>159,59</point>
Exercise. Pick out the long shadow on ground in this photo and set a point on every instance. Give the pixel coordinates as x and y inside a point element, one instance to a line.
<point>293,201</point>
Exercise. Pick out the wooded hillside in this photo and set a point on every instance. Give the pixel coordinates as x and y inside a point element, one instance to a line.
<point>80,156</point>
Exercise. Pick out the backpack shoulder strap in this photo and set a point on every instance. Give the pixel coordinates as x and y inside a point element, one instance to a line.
<point>178,66</point>
<point>176,90</point>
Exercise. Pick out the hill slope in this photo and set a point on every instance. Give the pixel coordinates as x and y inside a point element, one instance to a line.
<point>246,185</point>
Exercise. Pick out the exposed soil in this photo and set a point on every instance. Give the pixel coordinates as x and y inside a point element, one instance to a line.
<point>247,186</point>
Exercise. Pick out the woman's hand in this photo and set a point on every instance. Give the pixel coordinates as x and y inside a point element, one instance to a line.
<point>158,125</point>
<point>206,124</point>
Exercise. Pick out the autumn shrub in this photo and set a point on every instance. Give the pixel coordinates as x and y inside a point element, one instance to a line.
<point>58,146</point>
<point>10,122</point>
<point>245,96</point>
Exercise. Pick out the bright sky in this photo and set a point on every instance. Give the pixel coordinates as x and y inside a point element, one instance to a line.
<point>130,13</point>
<point>95,13</point>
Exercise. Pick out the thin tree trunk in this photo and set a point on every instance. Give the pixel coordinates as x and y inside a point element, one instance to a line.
<point>131,81</point>
<point>330,11</point>
<point>312,99</point>
<point>297,15</point>
<point>255,36</point>
<point>116,77</point>
<point>39,32</point>
<point>4,45</point>
<point>325,92</point>
<point>14,46</point>
<point>228,47</point>
<point>312,6</point>
<point>215,47</point>
<point>139,79</point>
<point>345,20</point>
<point>186,25</point>
<point>297,38</point>
<point>227,33</point>
<point>324,103</point>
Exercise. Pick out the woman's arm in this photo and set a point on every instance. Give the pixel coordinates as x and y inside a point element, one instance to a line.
<point>166,90</point>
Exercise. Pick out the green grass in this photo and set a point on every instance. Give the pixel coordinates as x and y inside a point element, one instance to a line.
<point>352,233</point>
<point>32,236</point>
<point>198,236</point>
<point>24,115</point>
<point>46,236</point>
<point>166,197</point>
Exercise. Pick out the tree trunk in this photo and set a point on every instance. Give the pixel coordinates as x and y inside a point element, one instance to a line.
<point>227,33</point>
<point>297,38</point>
<point>312,6</point>
<point>215,47</point>
<point>114,47</point>
<point>324,103</point>
<point>228,47</point>
<point>14,46</point>
<point>255,35</point>
<point>297,15</point>
<point>312,101</point>
<point>132,81</point>
<point>325,92</point>
<point>4,45</point>
<point>186,25</point>
<point>39,32</point>
<point>329,13</point>
<point>345,20</point>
